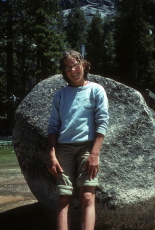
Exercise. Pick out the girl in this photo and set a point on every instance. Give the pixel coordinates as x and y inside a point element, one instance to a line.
<point>77,127</point>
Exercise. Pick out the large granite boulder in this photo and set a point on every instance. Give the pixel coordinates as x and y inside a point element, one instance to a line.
<point>125,199</point>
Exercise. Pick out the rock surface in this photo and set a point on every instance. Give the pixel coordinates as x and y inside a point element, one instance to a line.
<point>125,199</point>
<point>104,7</point>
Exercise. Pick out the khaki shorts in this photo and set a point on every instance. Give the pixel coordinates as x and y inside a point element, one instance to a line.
<point>72,158</point>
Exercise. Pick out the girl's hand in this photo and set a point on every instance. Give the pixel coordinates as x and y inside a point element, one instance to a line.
<point>54,167</point>
<point>92,165</point>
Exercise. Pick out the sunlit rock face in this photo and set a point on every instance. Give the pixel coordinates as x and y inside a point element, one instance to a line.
<point>125,198</point>
<point>91,7</point>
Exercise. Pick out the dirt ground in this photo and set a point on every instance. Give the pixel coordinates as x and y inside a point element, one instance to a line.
<point>19,209</point>
<point>14,191</point>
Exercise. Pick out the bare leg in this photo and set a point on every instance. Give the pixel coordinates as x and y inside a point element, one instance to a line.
<point>87,197</point>
<point>63,215</point>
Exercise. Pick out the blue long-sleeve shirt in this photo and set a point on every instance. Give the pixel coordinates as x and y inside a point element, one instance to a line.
<point>78,113</point>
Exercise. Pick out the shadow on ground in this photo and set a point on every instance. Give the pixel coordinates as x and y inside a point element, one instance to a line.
<point>28,217</point>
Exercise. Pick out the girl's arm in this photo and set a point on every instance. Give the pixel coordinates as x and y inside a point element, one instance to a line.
<point>92,163</point>
<point>53,165</point>
<point>101,122</point>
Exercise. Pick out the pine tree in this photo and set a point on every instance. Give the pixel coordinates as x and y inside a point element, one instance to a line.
<point>76,27</point>
<point>134,45</point>
<point>3,58</point>
<point>39,41</point>
<point>7,75</point>
<point>95,46</point>
<point>31,43</point>
<point>108,62</point>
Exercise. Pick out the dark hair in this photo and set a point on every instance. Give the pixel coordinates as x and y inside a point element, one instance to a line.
<point>79,58</point>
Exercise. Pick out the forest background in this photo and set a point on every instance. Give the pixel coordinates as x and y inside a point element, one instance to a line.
<point>33,34</point>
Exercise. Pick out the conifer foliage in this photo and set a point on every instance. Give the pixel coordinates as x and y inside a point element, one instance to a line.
<point>35,42</point>
<point>94,45</point>
<point>32,41</point>
<point>76,26</point>
<point>135,44</point>
<point>100,50</point>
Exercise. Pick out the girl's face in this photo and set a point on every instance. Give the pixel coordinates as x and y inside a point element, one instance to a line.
<point>74,71</point>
